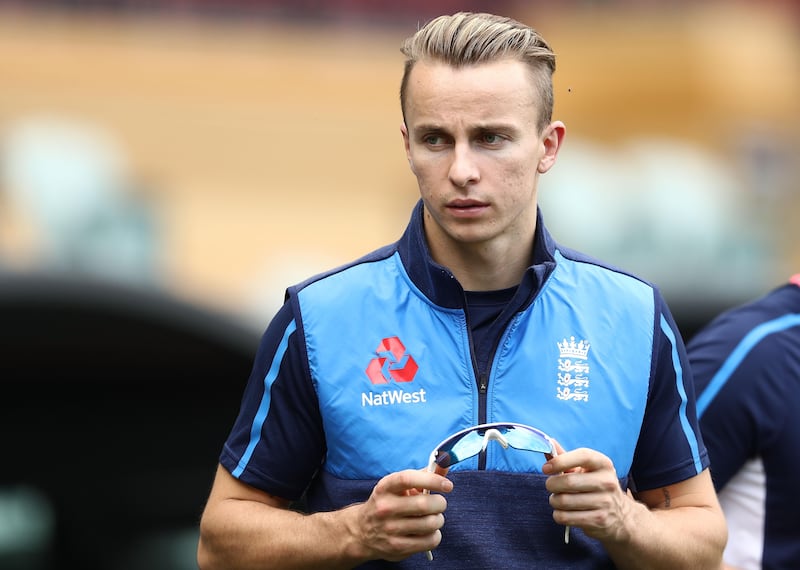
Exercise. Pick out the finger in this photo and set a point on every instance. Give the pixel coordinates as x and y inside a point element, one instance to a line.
<point>584,491</point>
<point>436,469</point>
<point>557,449</point>
<point>403,514</point>
<point>577,460</point>
<point>401,482</point>
<point>402,546</point>
<point>423,525</point>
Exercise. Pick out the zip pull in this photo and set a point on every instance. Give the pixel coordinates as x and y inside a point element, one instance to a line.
<point>483,384</point>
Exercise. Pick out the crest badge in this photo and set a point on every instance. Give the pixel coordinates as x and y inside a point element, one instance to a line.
<point>573,370</point>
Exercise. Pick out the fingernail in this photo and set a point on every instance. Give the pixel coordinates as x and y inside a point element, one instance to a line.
<point>447,485</point>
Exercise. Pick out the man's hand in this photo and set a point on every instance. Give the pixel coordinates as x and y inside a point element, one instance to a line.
<point>586,493</point>
<point>400,518</point>
<point>677,526</point>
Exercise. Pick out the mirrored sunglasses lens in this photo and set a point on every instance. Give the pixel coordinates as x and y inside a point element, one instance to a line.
<point>520,438</point>
<point>468,445</point>
<point>458,449</point>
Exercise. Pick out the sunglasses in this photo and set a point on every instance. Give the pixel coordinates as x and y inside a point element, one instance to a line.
<point>471,441</point>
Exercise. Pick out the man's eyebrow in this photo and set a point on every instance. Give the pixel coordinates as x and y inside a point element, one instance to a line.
<point>495,128</point>
<point>477,128</point>
<point>428,128</point>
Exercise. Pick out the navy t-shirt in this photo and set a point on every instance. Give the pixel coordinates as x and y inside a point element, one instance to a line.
<point>746,365</point>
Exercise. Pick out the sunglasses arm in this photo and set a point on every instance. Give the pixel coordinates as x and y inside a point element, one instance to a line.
<point>549,456</point>
<point>433,468</point>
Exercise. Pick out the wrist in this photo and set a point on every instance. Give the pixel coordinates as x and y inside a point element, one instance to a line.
<point>345,534</point>
<point>628,521</point>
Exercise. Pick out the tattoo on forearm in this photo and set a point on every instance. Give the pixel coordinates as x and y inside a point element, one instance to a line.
<point>667,499</point>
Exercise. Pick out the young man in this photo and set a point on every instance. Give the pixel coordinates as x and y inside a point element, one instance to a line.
<point>475,315</point>
<point>747,368</point>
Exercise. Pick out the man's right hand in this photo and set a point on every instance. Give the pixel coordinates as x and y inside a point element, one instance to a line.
<point>244,527</point>
<point>399,518</point>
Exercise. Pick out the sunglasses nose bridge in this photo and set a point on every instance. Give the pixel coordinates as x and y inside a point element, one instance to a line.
<point>493,434</point>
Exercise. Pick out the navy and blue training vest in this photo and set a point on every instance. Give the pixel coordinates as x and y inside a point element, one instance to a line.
<point>367,367</point>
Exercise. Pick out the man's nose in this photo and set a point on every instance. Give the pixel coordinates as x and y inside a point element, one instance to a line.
<point>463,169</point>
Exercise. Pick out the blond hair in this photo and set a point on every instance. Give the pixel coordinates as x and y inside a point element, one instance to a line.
<point>468,38</point>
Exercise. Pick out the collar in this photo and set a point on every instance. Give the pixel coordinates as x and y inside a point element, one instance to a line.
<point>440,286</point>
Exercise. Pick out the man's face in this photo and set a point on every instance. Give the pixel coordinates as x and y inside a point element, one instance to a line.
<point>472,142</point>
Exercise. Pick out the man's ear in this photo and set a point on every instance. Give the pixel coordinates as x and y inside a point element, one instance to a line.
<point>552,139</point>
<point>406,144</point>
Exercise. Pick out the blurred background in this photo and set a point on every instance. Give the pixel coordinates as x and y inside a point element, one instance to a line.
<point>168,167</point>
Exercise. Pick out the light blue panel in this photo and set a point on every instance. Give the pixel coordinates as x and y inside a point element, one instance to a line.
<point>594,399</point>
<point>374,429</point>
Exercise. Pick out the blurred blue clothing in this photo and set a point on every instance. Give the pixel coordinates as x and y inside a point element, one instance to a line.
<point>746,365</point>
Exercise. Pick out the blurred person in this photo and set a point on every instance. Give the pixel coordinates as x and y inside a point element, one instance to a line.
<point>89,213</point>
<point>475,315</point>
<point>746,364</point>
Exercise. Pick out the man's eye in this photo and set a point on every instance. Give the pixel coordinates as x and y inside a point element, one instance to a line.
<point>433,140</point>
<point>491,138</point>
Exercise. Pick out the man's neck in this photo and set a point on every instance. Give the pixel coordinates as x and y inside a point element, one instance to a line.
<point>481,268</point>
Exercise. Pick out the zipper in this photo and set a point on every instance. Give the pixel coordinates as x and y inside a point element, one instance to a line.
<point>482,376</point>
<point>482,380</point>
<point>483,387</point>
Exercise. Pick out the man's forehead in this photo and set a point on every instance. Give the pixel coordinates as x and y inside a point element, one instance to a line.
<point>487,95</point>
<point>503,78</point>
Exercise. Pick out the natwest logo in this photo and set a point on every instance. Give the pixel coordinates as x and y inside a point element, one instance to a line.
<point>392,363</point>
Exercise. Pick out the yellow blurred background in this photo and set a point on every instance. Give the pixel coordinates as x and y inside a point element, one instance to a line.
<point>256,151</point>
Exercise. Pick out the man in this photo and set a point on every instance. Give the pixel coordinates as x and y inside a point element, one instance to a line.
<point>475,315</point>
<point>747,369</point>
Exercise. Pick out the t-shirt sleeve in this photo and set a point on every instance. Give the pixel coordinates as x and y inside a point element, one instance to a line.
<point>741,378</point>
<point>670,447</point>
<point>277,442</point>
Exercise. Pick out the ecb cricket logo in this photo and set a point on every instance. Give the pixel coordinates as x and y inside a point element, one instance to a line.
<point>573,370</point>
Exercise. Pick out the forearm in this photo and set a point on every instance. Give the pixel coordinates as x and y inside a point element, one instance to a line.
<point>682,537</point>
<point>243,527</point>
<point>245,534</point>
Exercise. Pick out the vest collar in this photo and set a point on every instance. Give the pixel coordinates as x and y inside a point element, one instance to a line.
<point>440,286</point>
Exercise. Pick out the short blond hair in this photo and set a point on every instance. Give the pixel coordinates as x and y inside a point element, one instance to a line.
<point>468,38</point>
